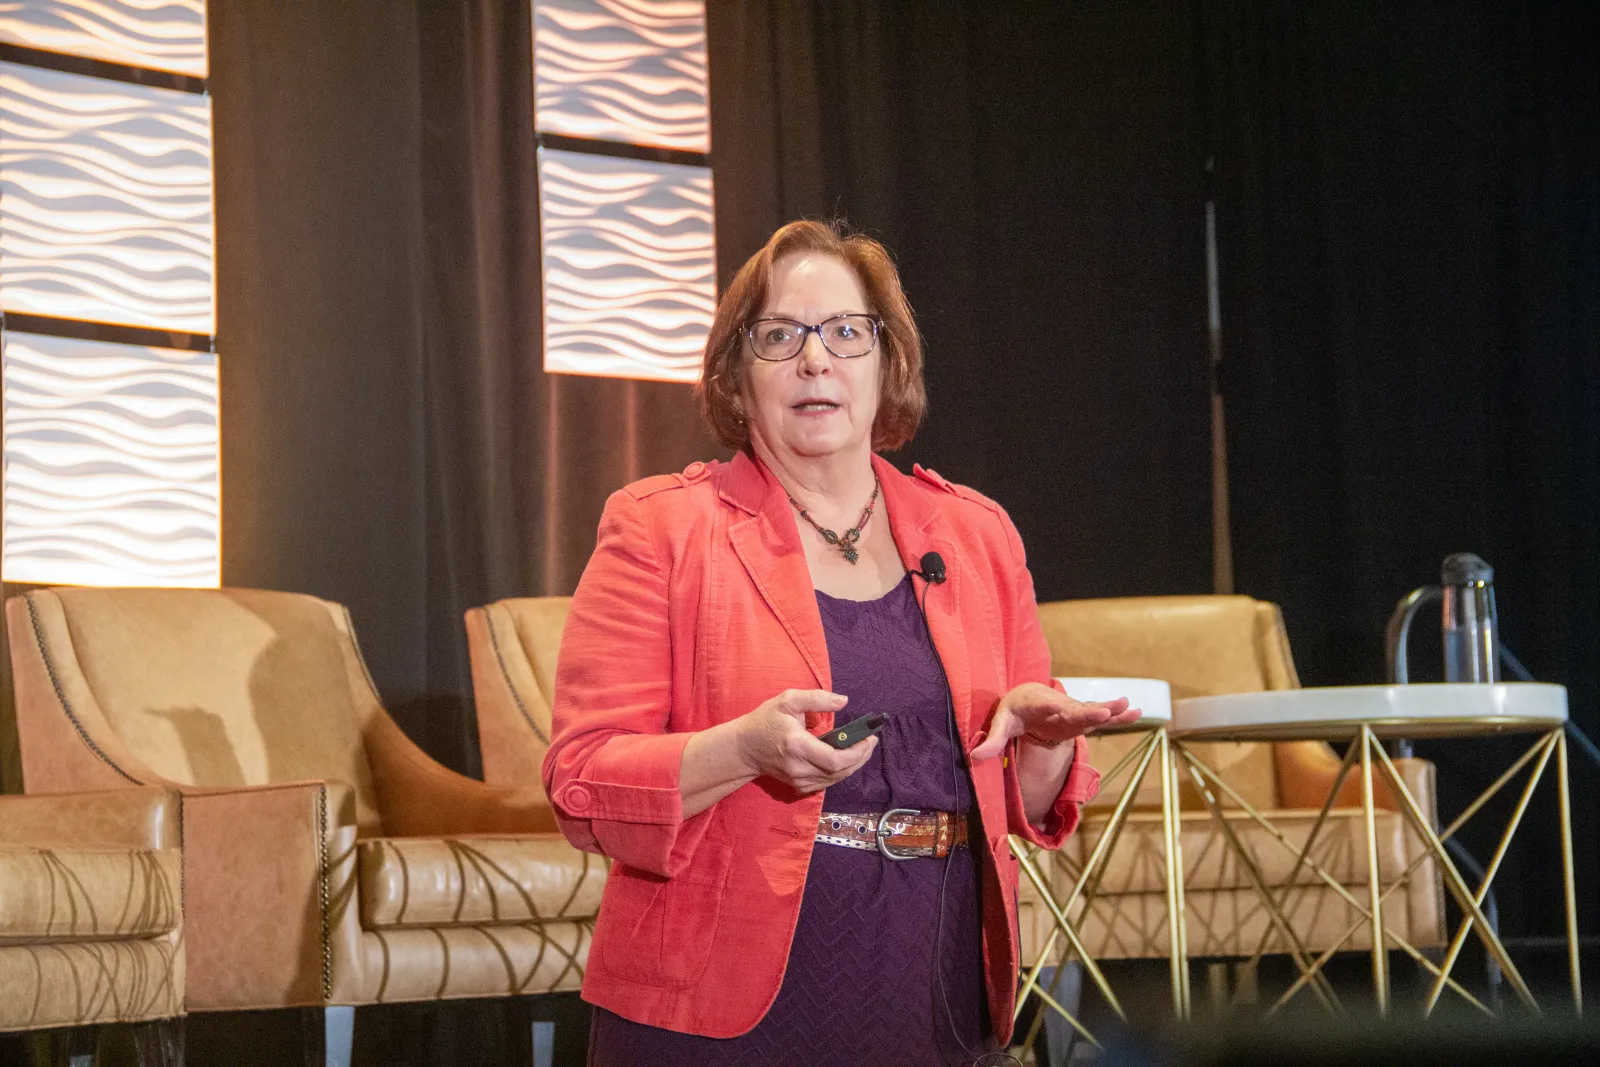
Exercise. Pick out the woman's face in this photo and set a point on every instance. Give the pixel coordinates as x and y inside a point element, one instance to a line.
<point>816,404</point>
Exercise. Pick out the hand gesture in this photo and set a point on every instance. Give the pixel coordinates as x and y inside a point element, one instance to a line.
<point>1049,715</point>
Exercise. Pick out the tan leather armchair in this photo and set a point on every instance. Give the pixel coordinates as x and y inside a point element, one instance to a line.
<point>91,927</point>
<point>514,645</point>
<point>1206,645</point>
<point>326,859</point>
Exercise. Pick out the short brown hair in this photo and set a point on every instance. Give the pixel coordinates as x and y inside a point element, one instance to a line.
<point>902,398</point>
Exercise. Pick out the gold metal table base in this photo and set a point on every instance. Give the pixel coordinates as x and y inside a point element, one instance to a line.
<point>1366,753</point>
<point>1155,750</point>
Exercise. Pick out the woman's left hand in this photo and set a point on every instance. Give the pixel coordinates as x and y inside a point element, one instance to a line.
<point>1049,715</point>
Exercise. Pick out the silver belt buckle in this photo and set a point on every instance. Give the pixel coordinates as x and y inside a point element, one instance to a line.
<point>883,826</point>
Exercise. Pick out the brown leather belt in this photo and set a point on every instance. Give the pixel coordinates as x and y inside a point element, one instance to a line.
<point>899,833</point>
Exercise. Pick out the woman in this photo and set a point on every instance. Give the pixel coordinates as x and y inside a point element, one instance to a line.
<point>771,900</point>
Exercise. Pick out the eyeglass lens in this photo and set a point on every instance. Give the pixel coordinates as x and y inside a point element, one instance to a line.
<point>845,336</point>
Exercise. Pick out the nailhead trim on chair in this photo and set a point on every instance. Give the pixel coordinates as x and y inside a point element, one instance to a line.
<point>516,698</point>
<point>55,683</point>
<point>183,870</point>
<point>322,890</point>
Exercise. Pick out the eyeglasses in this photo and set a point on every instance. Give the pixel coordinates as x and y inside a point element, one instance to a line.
<point>846,336</point>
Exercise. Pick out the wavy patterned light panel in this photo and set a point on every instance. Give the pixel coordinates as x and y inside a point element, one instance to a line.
<point>111,474</point>
<point>629,266</point>
<point>105,201</point>
<point>622,70</point>
<point>163,34</point>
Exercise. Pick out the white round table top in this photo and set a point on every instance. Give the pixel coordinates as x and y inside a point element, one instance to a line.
<point>1151,696</point>
<point>1390,711</point>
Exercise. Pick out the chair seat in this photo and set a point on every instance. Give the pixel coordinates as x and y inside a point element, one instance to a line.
<point>416,882</point>
<point>53,895</point>
<point>1136,864</point>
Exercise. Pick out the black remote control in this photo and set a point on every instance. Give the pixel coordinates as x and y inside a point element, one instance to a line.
<point>853,732</point>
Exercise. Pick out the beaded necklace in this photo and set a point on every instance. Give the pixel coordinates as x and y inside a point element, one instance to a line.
<point>846,541</point>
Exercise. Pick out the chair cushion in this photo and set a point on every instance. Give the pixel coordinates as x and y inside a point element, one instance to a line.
<point>1232,923</point>
<point>1224,915</point>
<point>1136,866</point>
<point>443,963</point>
<point>87,983</point>
<point>57,894</point>
<point>476,881</point>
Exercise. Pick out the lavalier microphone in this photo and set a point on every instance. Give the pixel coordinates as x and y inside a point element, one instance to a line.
<point>932,570</point>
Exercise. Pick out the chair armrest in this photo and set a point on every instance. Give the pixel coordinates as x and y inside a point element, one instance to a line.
<point>1419,776</point>
<point>1425,893</point>
<point>268,883</point>
<point>142,818</point>
<point>418,797</point>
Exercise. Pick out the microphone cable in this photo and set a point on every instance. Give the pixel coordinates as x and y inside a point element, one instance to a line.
<point>932,574</point>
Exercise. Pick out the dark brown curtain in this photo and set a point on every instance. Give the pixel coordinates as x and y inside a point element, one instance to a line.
<point>319,289</point>
<point>392,441</point>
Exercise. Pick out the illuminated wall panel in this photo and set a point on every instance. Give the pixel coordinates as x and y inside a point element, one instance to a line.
<point>111,471</point>
<point>105,200</point>
<point>632,71</point>
<point>163,34</point>
<point>629,266</point>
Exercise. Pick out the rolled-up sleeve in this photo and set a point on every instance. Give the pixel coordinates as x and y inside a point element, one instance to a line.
<point>612,772</point>
<point>1030,662</point>
<point>1082,783</point>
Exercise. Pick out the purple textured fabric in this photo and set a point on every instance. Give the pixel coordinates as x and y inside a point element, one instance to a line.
<point>862,988</point>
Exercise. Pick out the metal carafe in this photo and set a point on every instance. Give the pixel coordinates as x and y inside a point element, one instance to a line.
<point>1470,629</point>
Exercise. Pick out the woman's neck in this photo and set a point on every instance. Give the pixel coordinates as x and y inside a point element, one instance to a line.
<point>837,486</point>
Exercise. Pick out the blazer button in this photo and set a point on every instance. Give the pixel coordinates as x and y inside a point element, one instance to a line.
<point>576,798</point>
<point>694,470</point>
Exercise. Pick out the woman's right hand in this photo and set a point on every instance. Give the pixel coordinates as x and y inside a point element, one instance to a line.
<point>774,742</point>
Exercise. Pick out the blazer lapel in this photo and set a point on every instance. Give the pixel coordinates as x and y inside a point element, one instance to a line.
<point>918,528</point>
<point>767,543</point>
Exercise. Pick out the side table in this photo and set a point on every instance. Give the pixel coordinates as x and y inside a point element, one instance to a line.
<point>1365,716</point>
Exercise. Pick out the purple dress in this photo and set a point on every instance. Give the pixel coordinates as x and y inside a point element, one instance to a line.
<point>862,986</point>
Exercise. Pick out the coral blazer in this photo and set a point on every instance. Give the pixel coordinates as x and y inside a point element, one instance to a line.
<point>696,607</point>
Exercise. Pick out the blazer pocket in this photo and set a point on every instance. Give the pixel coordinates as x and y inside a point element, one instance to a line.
<point>655,930</point>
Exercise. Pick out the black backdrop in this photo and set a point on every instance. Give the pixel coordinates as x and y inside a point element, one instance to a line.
<point>1034,170</point>
<point>1409,211</point>
<point>1408,236</point>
